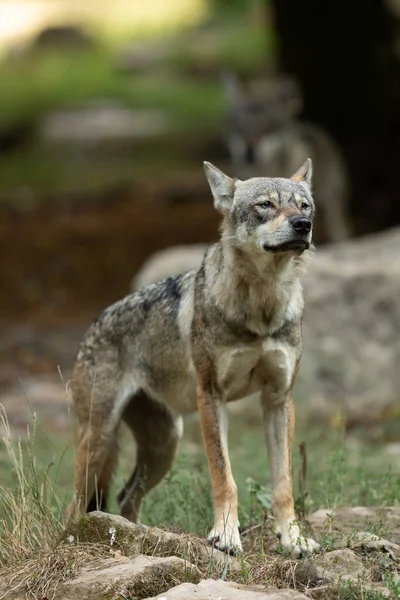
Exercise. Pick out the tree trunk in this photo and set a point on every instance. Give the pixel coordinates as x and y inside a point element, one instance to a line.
<point>342,53</point>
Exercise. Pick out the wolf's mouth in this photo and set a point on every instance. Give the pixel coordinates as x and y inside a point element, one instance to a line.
<point>292,246</point>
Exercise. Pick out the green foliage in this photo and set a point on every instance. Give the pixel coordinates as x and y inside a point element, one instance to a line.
<point>328,539</point>
<point>43,81</point>
<point>348,590</point>
<point>392,582</point>
<point>40,82</point>
<point>259,494</point>
<point>183,500</point>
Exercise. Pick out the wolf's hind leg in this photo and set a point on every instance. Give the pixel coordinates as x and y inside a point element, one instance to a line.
<point>99,499</point>
<point>157,432</point>
<point>95,460</point>
<point>97,412</point>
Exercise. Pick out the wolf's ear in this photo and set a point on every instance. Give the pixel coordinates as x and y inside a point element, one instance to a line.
<point>304,174</point>
<point>222,187</point>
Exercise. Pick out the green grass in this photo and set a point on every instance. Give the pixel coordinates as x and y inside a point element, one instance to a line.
<point>36,485</point>
<point>351,591</point>
<point>337,475</point>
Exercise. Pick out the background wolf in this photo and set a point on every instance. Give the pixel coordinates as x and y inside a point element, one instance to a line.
<point>202,339</point>
<point>265,139</point>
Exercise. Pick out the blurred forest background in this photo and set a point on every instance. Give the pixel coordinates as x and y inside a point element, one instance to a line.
<point>107,110</point>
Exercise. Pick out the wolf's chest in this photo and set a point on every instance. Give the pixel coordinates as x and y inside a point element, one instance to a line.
<point>245,370</point>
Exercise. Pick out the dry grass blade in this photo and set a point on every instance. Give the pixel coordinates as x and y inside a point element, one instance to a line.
<point>30,514</point>
<point>40,576</point>
<point>275,571</point>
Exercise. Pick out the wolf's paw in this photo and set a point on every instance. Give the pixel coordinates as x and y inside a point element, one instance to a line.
<point>292,541</point>
<point>226,538</point>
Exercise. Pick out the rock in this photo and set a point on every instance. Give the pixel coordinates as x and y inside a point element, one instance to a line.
<point>46,397</point>
<point>347,520</point>
<point>171,261</point>
<point>371,543</point>
<point>330,568</point>
<point>351,346</point>
<point>128,577</point>
<point>209,589</point>
<point>101,122</point>
<point>132,539</point>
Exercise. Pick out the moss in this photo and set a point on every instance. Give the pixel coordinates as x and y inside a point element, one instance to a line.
<point>157,580</point>
<point>95,529</point>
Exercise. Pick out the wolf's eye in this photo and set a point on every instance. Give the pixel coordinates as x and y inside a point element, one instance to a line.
<point>266,204</point>
<point>304,206</point>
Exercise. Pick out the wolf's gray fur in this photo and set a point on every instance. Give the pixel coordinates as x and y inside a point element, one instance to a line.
<point>265,138</point>
<point>199,340</point>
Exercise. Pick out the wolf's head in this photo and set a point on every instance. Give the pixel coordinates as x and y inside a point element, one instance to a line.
<point>261,109</point>
<point>265,215</point>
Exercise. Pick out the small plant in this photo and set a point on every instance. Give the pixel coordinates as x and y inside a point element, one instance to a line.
<point>182,500</point>
<point>392,582</point>
<point>349,590</point>
<point>328,541</point>
<point>260,495</point>
<point>379,529</point>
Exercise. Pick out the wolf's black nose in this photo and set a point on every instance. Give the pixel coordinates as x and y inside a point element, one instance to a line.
<point>300,224</point>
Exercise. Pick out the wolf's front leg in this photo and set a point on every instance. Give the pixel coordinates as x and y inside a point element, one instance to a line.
<point>279,428</point>
<point>225,533</point>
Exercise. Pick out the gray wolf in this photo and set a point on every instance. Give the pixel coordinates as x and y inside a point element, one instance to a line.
<point>265,138</point>
<point>199,340</point>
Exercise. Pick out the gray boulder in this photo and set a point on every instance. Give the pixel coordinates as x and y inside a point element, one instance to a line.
<point>101,122</point>
<point>209,589</point>
<point>351,331</point>
<point>127,578</point>
<point>171,261</point>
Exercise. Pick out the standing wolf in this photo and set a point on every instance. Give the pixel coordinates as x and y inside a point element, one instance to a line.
<point>204,338</point>
<point>265,138</point>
